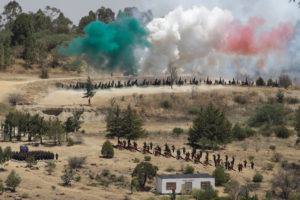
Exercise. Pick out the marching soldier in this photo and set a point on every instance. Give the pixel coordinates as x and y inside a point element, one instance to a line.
<point>178,154</point>
<point>187,156</point>
<point>183,150</point>
<point>173,148</point>
<point>151,145</point>
<point>252,164</point>
<point>245,163</point>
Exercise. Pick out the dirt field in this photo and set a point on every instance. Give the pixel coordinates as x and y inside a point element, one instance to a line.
<point>41,95</point>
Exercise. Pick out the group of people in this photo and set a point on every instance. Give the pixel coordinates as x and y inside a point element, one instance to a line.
<point>182,154</point>
<point>157,82</point>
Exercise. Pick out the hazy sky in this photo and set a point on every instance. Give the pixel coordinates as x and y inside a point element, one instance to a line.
<point>273,11</point>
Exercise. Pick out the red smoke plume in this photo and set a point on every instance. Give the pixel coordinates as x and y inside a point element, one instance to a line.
<point>250,40</point>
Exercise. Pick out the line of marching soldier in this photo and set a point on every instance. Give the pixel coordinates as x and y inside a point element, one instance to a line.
<point>187,156</point>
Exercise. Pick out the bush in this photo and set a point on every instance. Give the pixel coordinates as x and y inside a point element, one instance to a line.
<point>50,167</point>
<point>170,169</point>
<point>76,162</point>
<point>147,158</point>
<point>136,160</point>
<point>272,147</point>
<point>260,82</point>
<point>207,194</point>
<point>280,96</point>
<point>220,176</point>
<point>194,110</point>
<point>67,176</point>
<point>257,178</point>
<point>238,132</point>
<point>285,81</point>
<point>107,150</point>
<point>282,132</point>
<point>70,142</point>
<point>13,180</point>
<point>177,131</point>
<point>251,157</point>
<point>2,188</point>
<point>105,172</point>
<point>240,99</point>
<point>166,104</point>
<point>268,114</point>
<point>276,157</point>
<point>292,100</point>
<point>44,74</point>
<point>268,166</point>
<point>144,171</point>
<point>30,160</point>
<point>77,178</point>
<point>189,169</point>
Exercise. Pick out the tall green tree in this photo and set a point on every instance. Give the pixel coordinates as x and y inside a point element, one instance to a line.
<point>12,10</point>
<point>56,131</point>
<point>41,21</point>
<point>22,29</point>
<point>144,171</point>
<point>114,123</point>
<point>29,50</point>
<point>132,125</point>
<point>89,90</point>
<point>61,24</point>
<point>73,123</point>
<point>106,15</point>
<point>211,124</point>
<point>84,21</point>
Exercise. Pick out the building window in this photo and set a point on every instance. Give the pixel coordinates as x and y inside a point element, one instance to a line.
<point>188,186</point>
<point>171,186</point>
<point>205,184</point>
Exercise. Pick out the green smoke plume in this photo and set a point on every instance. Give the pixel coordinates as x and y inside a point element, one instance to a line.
<point>111,46</point>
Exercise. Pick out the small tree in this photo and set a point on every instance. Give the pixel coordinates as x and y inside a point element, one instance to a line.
<point>280,96</point>
<point>89,90</point>
<point>260,82</point>
<point>238,132</point>
<point>30,160</point>
<point>207,193</point>
<point>2,188</point>
<point>50,167</point>
<point>282,132</point>
<point>220,176</point>
<point>285,81</point>
<point>233,189</point>
<point>189,169</point>
<point>107,150</point>
<point>44,74</point>
<point>177,131</point>
<point>144,171</point>
<point>76,162</point>
<point>257,178</point>
<point>67,176</point>
<point>13,180</point>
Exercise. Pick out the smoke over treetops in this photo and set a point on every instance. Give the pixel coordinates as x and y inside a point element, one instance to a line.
<point>211,42</point>
<point>111,46</point>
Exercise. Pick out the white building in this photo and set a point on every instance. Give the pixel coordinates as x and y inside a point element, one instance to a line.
<point>182,183</point>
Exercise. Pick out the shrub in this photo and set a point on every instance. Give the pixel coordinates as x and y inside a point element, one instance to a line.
<point>189,169</point>
<point>136,160</point>
<point>194,110</point>
<point>220,176</point>
<point>77,178</point>
<point>276,157</point>
<point>44,74</point>
<point>76,162</point>
<point>147,158</point>
<point>249,131</point>
<point>238,132</point>
<point>2,188</point>
<point>282,132</point>
<point>67,176</point>
<point>70,142</point>
<point>177,131</point>
<point>280,96</point>
<point>268,114</point>
<point>170,169</point>
<point>50,167</point>
<point>105,172</point>
<point>30,160</point>
<point>207,194</point>
<point>292,100</point>
<point>257,178</point>
<point>13,180</point>
<point>272,147</point>
<point>285,81</point>
<point>240,99</point>
<point>251,157</point>
<point>166,104</point>
<point>268,166</point>
<point>260,82</point>
<point>107,150</point>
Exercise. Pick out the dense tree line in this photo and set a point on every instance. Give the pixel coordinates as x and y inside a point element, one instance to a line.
<point>37,36</point>
<point>18,124</point>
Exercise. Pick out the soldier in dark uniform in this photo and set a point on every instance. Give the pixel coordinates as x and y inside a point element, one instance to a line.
<point>173,148</point>
<point>245,163</point>
<point>193,153</point>
<point>252,164</point>
<point>56,156</point>
<point>215,161</point>
<point>187,156</point>
<point>151,145</point>
<point>135,145</point>
<point>226,158</point>
<point>178,154</point>
<point>183,150</point>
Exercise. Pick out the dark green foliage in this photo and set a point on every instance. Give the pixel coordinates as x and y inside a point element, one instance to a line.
<point>22,29</point>
<point>276,157</point>
<point>76,162</point>
<point>282,132</point>
<point>268,114</point>
<point>247,196</point>
<point>194,110</point>
<point>238,132</point>
<point>297,121</point>
<point>144,171</point>
<point>272,147</point>
<point>270,82</point>
<point>280,96</point>
<point>73,123</point>
<point>257,178</point>
<point>67,176</point>
<point>260,82</point>
<point>207,194</point>
<point>5,49</point>
<point>240,99</point>
<point>177,131</point>
<point>107,150</point>
<point>166,104</point>
<point>189,169</point>
<point>30,160</point>
<point>89,90</point>
<point>147,158</point>
<point>285,81</point>
<point>2,188</point>
<point>12,10</point>
<point>13,180</point>
<point>44,74</point>
<point>5,155</point>
<point>75,65</point>
<point>50,167</point>
<point>210,124</point>
<point>84,21</point>
<point>114,122</point>
<point>105,15</point>
<point>220,176</point>
<point>61,24</point>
